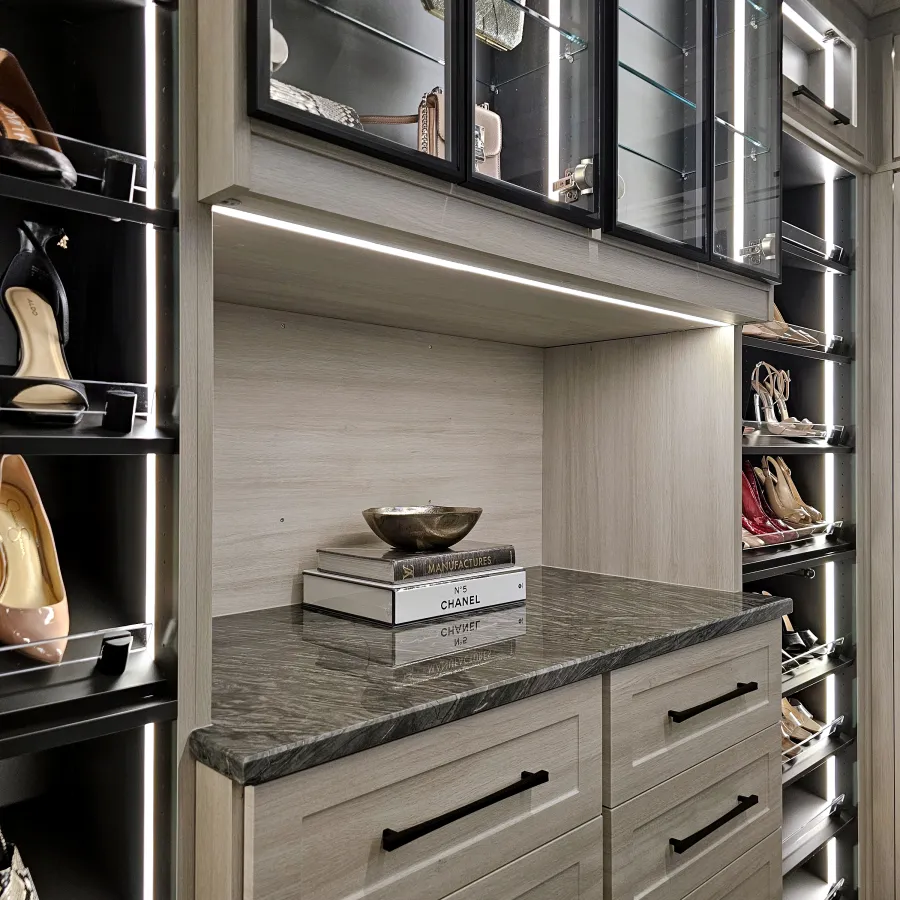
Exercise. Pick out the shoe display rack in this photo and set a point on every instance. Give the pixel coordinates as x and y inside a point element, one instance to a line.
<point>87,735</point>
<point>799,476</point>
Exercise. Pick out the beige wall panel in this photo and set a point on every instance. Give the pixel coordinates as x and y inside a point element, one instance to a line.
<point>317,419</point>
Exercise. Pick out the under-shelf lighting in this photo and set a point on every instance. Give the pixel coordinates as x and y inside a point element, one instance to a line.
<point>453,265</point>
<point>149,787</point>
<point>740,60</point>
<point>553,88</point>
<point>807,27</point>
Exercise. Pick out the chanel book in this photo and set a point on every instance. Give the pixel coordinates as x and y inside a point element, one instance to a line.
<point>381,563</point>
<point>401,604</point>
<point>399,647</point>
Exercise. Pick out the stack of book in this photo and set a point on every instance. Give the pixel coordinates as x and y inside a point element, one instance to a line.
<point>395,587</point>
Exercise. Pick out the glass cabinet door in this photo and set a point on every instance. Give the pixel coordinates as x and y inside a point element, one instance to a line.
<point>747,224</point>
<point>373,75</point>
<point>661,188</point>
<point>535,123</point>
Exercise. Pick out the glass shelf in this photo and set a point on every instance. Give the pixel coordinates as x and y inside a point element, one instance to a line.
<point>345,17</point>
<point>567,56</point>
<point>570,36</point>
<point>753,155</point>
<point>653,30</point>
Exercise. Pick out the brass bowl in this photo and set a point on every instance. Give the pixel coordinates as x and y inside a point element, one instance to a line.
<point>422,527</point>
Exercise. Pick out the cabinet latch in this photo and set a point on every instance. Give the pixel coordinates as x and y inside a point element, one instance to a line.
<point>760,251</point>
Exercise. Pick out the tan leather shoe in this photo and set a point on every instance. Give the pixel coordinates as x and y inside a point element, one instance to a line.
<point>33,606</point>
<point>779,496</point>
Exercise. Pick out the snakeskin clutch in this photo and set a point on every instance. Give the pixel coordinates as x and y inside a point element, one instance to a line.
<point>311,103</point>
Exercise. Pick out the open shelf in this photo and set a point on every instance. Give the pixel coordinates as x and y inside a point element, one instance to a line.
<point>767,562</point>
<point>757,444</point>
<point>803,885</point>
<point>87,438</point>
<point>812,673</point>
<point>808,826</point>
<point>796,350</point>
<point>816,754</point>
<point>82,201</point>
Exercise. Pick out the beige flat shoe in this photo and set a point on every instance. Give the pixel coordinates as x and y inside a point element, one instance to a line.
<point>802,716</point>
<point>33,605</point>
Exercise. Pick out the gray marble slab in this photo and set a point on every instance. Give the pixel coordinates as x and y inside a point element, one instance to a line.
<point>294,689</point>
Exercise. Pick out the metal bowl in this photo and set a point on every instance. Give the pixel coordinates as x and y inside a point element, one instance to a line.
<point>422,527</point>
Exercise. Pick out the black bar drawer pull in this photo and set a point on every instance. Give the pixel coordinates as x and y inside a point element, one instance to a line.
<point>682,715</point>
<point>744,803</point>
<point>391,840</point>
<point>839,117</point>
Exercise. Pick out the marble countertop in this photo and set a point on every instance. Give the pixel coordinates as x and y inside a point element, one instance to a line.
<point>293,689</point>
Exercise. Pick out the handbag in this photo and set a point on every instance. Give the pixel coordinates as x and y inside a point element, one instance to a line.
<point>432,131</point>
<point>497,22</point>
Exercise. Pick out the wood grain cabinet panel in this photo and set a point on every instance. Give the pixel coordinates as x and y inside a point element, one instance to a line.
<point>569,868</point>
<point>317,835</point>
<point>643,745</point>
<point>755,876</point>
<point>700,807</point>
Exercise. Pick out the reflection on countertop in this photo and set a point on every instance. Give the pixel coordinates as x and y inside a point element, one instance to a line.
<point>293,689</point>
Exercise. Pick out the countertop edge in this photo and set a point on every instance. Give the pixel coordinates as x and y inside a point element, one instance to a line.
<point>259,768</point>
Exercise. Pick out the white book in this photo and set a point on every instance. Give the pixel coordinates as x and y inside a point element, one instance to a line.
<point>399,605</point>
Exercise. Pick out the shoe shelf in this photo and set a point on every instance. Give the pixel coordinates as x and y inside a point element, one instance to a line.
<point>759,443</point>
<point>767,562</point>
<point>803,885</point>
<point>797,350</point>
<point>808,251</point>
<point>85,202</point>
<point>799,675</point>
<point>809,823</point>
<point>86,438</point>
<point>814,752</point>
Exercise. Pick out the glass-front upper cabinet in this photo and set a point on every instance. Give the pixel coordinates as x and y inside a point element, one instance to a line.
<point>747,135</point>
<point>376,76</point>
<point>660,180</point>
<point>535,128</point>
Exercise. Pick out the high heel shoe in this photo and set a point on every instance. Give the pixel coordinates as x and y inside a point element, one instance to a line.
<point>778,382</point>
<point>815,516</point>
<point>33,294</point>
<point>28,146</point>
<point>758,511</point>
<point>33,606</point>
<point>764,403</point>
<point>779,330</point>
<point>779,496</point>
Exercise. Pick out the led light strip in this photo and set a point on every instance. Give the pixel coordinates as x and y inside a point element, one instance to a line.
<point>553,89</point>
<point>150,89</point>
<point>740,59</point>
<point>452,265</point>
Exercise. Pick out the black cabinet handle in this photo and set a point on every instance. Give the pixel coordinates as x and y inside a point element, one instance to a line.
<point>839,117</point>
<point>391,840</point>
<point>744,803</point>
<point>681,715</point>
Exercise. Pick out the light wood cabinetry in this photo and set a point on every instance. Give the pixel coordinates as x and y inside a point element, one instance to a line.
<point>655,721</point>
<point>755,876</point>
<point>320,834</point>
<point>717,810</point>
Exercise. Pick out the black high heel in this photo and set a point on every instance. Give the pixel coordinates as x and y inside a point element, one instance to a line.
<point>33,295</point>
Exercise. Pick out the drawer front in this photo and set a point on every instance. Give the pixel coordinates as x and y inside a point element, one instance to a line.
<point>755,876</point>
<point>644,745</point>
<point>317,835</point>
<point>569,868</point>
<point>706,810</point>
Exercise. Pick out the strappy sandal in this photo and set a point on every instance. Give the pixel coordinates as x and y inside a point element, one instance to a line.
<point>41,389</point>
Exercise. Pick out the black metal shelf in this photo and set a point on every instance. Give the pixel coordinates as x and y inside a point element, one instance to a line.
<point>767,562</point>
<point>800,806</point>
<point>803,885</point>
<point>82,201</point>
<point>801,258</point>
<point>815,755</point>
<point>86,439</point>
<point>796,350</point>
<point>752,444</point>
<point>812,673</point>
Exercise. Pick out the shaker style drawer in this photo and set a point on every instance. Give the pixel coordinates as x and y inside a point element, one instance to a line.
<point>671,840</point>
<point>755,876</point>
<point>569,868</point>
<point>670,713</point>
<point>423,816</point>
